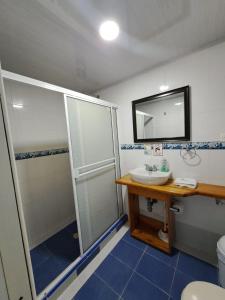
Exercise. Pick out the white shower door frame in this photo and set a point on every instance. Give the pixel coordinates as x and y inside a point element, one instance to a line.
<point>65,92</point>
<point>109,162</point>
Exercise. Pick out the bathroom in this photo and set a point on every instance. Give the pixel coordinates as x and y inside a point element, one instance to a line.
<point>70,130</point>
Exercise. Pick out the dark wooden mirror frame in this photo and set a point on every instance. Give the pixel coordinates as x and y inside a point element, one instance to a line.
<point>186,137</point>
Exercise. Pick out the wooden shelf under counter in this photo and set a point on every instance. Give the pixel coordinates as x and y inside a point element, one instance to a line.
<point>146,229</point>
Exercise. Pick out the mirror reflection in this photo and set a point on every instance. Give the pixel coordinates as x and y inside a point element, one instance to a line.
<point>161,117</point>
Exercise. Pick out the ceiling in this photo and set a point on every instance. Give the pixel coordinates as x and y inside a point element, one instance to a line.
<point>57,41</point>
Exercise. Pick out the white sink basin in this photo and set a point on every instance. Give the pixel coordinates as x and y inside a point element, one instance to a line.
<point>147,177</point>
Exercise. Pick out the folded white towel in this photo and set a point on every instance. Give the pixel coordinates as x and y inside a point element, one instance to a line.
<point>186,182</point>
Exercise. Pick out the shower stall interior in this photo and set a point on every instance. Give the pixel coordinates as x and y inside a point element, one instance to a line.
<point>65,158</point>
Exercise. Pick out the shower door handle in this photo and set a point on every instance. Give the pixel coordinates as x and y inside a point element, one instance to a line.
<point>107,162</point>
<point>77,175</point>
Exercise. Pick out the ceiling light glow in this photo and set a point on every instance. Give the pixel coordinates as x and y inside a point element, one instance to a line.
<point>163,88</point>
<point>178,103</point>
<point>109,30</point>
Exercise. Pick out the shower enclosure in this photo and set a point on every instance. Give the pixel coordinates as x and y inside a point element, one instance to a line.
<point>94,164</point>
<point>65,159</point>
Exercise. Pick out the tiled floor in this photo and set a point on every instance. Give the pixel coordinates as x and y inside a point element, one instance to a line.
<point>51,257</point>
<point>134,270</point>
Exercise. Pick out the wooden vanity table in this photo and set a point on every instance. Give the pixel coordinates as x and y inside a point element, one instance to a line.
<point>146,228</point>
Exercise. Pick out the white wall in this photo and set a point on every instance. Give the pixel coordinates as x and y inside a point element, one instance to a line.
<point>40,123</point>
<point>204,72</point>
<point>45,182</point>
<point>47,195</point>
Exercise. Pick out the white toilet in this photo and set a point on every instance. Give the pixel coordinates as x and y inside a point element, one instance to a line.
<point>221,260</point>
<point>200,290</point>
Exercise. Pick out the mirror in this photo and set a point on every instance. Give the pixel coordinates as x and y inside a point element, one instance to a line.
<point>162,117</point>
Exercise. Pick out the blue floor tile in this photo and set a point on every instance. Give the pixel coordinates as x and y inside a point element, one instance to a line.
<point>140,289</point>
<point>115,273</point>
<point>63,245</point>
<point>128,238</point>
<point>197,269</point>
<point>95,289</point>
<point>170,260</point>
<point>127,253</point>
<point>39,255</point>
<point>156,271</point>
<point>179,283</point>
<point>53,256</point>
<point>72,228</point>
<point>46,272</point>
<point>137,275</point>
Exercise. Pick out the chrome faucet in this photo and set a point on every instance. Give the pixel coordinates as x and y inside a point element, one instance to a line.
<point>155,169</point>
<point>148,168</point>
<point>151,168</point>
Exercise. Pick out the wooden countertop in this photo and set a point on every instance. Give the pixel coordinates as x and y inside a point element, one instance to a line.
<point>210,190</point>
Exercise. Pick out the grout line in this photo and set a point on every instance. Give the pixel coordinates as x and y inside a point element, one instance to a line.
<point>152,283</point>
<point>134,270</point>
<point>174,274</point>
<point>160,260</point>
<point>173,267</point>
<point>131,244</point>
<point>188,275</point>
<point>183,272</point>
<point>119,260</point>
<point>105,283</point>
<point>177,260</point>
<point>132,273</point>
<point>177,269</point>
<point>126,285</point>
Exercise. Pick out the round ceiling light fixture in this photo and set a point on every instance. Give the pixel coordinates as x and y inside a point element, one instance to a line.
<point>109,30</point>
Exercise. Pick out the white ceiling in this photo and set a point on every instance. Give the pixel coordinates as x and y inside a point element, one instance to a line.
<point>57,40</point>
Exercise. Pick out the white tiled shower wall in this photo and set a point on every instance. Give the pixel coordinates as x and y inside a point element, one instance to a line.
<point>203,221</point>
<point>45,182</point>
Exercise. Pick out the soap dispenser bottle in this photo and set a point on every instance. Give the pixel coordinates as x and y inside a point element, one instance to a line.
<point>164,165</point>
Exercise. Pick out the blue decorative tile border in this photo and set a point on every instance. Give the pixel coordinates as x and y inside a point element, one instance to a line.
<point>177,146</point>
<point>28,155</point>
<point>89,255</point>
<point>132,146</point>
<point>196,145</point>
<point>166,146</point>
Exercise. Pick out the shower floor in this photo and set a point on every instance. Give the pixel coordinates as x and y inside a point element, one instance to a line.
<point>51,257</point>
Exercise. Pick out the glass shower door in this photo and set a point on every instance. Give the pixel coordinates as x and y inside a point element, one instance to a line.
<point>94,167</point>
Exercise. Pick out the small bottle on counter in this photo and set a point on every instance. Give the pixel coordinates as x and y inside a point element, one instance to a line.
<point>164,165</point>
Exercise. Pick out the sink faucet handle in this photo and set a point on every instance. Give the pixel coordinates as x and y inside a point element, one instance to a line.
<point>148,167</point>
<point>154,168</point>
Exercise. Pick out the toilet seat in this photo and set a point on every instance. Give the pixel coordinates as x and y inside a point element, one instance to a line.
<point>200,290</point>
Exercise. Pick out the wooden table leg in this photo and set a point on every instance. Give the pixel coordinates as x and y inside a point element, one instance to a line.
<point>133,203</point>
<point>170,222</point>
